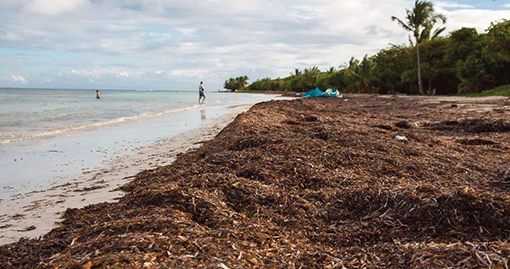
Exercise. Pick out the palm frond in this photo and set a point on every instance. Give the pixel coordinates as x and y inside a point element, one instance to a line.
<point>437,32</point>
<point>425,34</point>
<point>401,23</point>
<point>438,18</point>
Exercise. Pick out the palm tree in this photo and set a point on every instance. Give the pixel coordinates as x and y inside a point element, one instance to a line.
<point>297,73</point>
<point>420,21</point>
<point>426,33</point>
<point>310,76</point>
<point>241,82</point>
<point>360,73</point>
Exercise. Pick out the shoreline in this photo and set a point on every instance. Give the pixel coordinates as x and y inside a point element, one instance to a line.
<point>35,213</point>
<point>321,182</point>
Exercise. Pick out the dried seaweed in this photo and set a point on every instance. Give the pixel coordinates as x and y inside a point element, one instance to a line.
<point>475,141</point>
<point>281,187</point>
<point>480,125</point>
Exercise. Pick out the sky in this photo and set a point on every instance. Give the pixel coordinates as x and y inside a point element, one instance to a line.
<point>175,44</point>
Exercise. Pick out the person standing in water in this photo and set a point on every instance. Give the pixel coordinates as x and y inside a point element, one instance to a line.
<point>97,94</point>
<point>201,92</point>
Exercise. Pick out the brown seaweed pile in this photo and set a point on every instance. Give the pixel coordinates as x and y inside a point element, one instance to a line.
<point>316,183</point>
<point>474,125</point>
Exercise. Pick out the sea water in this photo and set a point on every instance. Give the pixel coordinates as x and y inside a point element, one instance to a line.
<point>50,134</point>
<point>31,113</point>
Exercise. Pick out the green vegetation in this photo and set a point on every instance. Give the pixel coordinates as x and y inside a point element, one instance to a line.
<point>500,91</point>
<point>420,21</point>
<point>461,63</point>
<point>234,84</point>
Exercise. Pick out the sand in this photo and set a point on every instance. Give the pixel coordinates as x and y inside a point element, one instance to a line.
<point>36,213</point>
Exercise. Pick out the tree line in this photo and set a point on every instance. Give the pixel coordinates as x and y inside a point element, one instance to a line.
<point>463,62</point>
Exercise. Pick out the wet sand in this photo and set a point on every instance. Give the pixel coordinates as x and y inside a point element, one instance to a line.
<point>36,213</point>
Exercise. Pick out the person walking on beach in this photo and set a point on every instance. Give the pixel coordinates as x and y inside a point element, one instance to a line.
<point>97,94</point>
<point>201,92</point>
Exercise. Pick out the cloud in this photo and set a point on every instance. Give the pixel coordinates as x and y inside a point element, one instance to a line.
<point>186,31</point>
<point>85,73</point>
<point>18,79</point>
<point>11,3</point>
<point>188,73</point>
<point>10,36</point>
<point>53,7</point>
<point>473,18</point>
<point>506,6</point>
<point>115,72</point>
<point>162,43</point>
<point>452,5</point>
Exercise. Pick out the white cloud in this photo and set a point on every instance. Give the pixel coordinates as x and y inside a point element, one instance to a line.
<point>11,3</point>
<point>155,42</point>
<point>188,73</point>
<point>85,73</point>
<point>114,72</point>
<point>10,36</point>
<point>474,18</point>
<point>186,31</point>
<point>53,7</point>
<point>126,73</point>
<point>506,6</point>
<point>452,5</point>
<point>18,79</point>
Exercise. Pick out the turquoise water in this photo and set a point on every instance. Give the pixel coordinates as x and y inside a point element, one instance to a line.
<point>32,113</point>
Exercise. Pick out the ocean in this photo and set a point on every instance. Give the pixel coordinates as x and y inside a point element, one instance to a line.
<point>35,113</point>
<point>49,136</point>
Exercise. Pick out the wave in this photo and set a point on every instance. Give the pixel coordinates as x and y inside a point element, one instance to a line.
<point>11,138</point>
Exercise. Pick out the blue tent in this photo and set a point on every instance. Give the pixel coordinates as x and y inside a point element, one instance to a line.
<point>318,93</point>
<point>313,93</point>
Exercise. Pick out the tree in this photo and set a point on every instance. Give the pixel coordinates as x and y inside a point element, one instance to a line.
<point>360,73</point>
<point>438,74</point>
<point>420,21</point>
<point>266,84</point>
<point>230,84</point>
<point>238,83</point>
<point>297,73</point>
<point>390,64</point>
<point>242,82</point>
<point>295,81</point>
<point>498,36</point>
<point>427,33</point>
<point>465,55</point>
<point>463,62</point>
<point>310,76</point>
<point>497,51</point>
